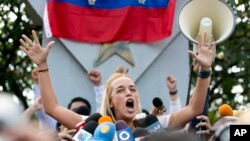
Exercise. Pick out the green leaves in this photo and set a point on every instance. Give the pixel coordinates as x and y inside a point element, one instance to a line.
<point>235,65</point>
<point>15,69</point>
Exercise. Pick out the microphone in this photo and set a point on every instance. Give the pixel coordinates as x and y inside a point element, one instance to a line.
<point>153,124</point>
<point>157,102</point>
<point>225,110</point>
<point>86,132</point>
<point>94,117</point>
<point>123,132</point>
<point>139,120</point>
<point>104,132</point>
<point>105,119</point>
<point>140,133</point>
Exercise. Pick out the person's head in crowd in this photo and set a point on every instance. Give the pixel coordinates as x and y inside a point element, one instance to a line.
<point>120,101</point>
<point>78,102</point>
<point>78,105</point>
<point>82,110</point>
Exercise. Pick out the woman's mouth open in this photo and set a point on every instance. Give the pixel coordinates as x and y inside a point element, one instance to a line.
<point>130,105</point>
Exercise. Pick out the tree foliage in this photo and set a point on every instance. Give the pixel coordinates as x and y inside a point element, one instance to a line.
<point>15,67</point>
<point>230,78</point>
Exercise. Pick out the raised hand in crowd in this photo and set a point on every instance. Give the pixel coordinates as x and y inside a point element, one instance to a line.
<point>66,135</point>
<point>171,83</point>
<point>37,105</point>
<point>95,77</point>
<point>121,69</point>
<point>175,103</point>
<point>155,111</point>
<point>204,58</point>
<point>206,52</point>
<point>205,125</point>
<point>35,52</point>
<point>34,75</point>
<point>39,56</point>
<point>172,87</point>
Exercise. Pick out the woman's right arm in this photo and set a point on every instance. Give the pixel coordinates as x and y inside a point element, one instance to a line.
<point>39,56</point>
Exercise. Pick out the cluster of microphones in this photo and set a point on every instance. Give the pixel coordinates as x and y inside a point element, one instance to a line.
<point>101,128</point>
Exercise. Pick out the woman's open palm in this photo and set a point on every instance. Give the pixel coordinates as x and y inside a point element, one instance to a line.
<point>34,50</point>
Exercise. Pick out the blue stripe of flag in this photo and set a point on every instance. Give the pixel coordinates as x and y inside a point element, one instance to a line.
<point>115,4</point>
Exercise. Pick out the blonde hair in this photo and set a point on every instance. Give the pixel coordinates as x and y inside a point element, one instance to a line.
<point>105,109</point>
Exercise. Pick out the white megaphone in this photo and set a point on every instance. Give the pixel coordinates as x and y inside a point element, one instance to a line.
<point>214,17</point>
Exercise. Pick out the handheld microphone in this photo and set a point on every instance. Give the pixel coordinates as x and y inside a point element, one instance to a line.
<point>139,120</point>
<point>123,132</point>
<point>157,102</point>
<point>104,132</point>
<point>225,110</point>
<point>153,124</point>
<point>140,133</point>
<point>94,117</point>
<point>105,119</point>
<point>86,133</point>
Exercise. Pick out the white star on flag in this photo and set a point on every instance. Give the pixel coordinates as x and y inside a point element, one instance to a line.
<point>91,2</point>
<point>142,1</point>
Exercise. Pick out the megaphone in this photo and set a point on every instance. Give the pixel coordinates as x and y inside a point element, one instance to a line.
<point>211,16</point>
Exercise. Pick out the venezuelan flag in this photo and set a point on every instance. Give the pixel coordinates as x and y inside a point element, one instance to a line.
<point>102,21</point>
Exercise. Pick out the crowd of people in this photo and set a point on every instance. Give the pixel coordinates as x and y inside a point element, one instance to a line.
<point>118,103</point>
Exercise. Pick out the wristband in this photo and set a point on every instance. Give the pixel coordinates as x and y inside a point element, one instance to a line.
<point>43,70</point>
<point>204,74</point>
<point>173,93</point>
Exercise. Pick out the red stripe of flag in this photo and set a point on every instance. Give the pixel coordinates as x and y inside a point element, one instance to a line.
<point>125,24</point>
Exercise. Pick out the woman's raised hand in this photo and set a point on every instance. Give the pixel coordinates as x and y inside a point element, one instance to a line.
<point>34,50</point>
<point>206,52</point>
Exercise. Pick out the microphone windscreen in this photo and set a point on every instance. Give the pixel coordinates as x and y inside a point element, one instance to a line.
<point>151,119</point>
<point>157,102</point>
<point>140,132</point>
<point>225,110</point>
<point>123,132</point>
<point>120,125</point>
<point>95,117</point>
<point>90,127</point>
<point>104,132</point>
<point>82,110</point>
<point>105,119</point>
